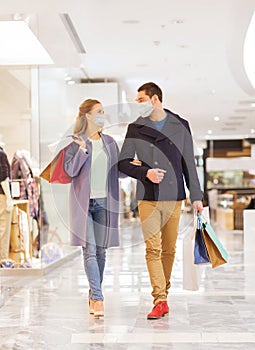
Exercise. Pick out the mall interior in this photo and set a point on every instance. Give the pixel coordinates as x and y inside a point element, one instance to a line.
<point>56,54</point>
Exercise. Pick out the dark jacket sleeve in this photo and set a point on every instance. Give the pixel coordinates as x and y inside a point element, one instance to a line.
<point>189,167</point>
<point>4,167</point>
<point>127,155</point>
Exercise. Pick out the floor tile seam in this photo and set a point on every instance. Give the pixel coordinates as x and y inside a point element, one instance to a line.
<point>165,338</point>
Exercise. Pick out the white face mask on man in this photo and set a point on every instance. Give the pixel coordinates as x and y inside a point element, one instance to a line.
<point>145,108</point>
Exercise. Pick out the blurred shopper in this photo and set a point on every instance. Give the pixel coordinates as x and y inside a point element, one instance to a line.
<point>163,143</point>
<point>6,205</point>
<point>92,162</point>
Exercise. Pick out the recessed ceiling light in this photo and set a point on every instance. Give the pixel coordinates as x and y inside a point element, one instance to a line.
<point>130,21</point>
<point>228,129</point>
<point>142,65</point>
<point>216,118</point>
<point>252,131</point>
<point>243,110</point>
<point>67,78</point>
<point>252,105</point>
<point>177,21</point>
<point>209,132</point>
<point>233,124</point>
<point>71,82</point>
<point>234,117</point>
<point>246,102</point>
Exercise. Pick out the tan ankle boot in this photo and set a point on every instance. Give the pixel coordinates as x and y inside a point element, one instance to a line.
<point>98,308</point>
<point>91,306</point>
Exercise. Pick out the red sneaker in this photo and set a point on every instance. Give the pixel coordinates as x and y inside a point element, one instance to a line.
<point>160,310</point>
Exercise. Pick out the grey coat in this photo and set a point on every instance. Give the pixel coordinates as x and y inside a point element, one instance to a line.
<point>77,165</point>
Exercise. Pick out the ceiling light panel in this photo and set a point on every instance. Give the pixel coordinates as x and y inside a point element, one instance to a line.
<point>66,19</point>
<point>19,45</point>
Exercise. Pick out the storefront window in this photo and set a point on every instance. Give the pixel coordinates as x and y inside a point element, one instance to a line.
<point>16,131</point>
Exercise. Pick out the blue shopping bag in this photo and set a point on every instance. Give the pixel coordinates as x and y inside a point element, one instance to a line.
<point>200,251</point>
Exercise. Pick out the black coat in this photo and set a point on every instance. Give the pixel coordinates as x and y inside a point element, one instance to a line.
<point>170,149</point>
<point>4,168</point>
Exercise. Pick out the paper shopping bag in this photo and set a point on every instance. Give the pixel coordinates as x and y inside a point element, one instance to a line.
<point>55,171</point>
<point>217,253</point>
<point>192,273</point>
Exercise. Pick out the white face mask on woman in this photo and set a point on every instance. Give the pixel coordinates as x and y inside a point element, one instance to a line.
<point>145,108</point>
<point>99,120</point>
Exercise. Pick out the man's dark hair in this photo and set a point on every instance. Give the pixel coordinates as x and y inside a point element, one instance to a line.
<point>151,89</point>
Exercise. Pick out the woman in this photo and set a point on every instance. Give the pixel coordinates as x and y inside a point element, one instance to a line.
<point>92,162</point>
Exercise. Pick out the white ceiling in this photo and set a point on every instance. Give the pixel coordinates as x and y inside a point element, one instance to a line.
<point>197,62</point>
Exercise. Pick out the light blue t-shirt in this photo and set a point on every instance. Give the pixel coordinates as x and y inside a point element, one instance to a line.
<point>158,124</point>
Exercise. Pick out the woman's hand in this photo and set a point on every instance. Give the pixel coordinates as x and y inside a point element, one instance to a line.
<point>80,141</point>
<point>136,162</point>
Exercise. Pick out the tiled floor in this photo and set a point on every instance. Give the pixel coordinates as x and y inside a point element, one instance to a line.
<point>51,312</point>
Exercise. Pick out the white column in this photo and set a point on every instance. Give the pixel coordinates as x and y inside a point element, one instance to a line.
<point>35,125</point>
<point>253,150</point>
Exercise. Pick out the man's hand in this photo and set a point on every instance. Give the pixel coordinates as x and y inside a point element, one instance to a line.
<point>156,175</point>
<point>198,207</point>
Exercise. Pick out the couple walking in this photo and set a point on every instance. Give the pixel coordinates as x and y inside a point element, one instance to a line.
<point>162,142</point>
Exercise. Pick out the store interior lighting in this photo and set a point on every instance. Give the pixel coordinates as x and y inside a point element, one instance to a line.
<point>19,45</point>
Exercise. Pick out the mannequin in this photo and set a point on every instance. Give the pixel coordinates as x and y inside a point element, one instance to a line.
<point>6,205</point>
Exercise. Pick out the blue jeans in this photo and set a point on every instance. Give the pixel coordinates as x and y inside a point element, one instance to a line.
<point>94,252</point>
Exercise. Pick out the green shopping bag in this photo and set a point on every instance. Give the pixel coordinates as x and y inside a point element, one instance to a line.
<point>217,253</point>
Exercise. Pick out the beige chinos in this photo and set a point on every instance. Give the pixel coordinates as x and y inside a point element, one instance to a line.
<point>160,221</point>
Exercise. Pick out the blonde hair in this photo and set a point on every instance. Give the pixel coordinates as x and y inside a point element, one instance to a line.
<point>81,119</point>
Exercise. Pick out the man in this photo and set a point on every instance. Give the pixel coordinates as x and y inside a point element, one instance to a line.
<point>163,144</point>
<point>5,205</point>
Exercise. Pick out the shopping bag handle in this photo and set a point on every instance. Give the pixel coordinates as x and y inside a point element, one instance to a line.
<point>199,223</point>
<point>202,218</point>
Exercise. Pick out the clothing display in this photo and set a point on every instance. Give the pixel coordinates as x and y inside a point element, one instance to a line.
<point>21,169</point>
<point>19,237</point>
<point>251,204</point>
